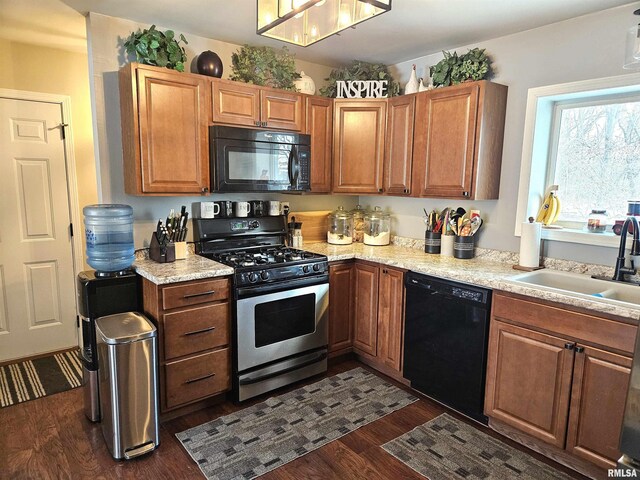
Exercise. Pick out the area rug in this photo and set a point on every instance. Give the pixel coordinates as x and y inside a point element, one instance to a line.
<point>445,448</point>
<point>260,438</point>
<point>23,381</point>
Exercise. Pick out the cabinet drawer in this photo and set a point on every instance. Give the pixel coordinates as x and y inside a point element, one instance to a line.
<point>198,377</point>
<point>196,329</point>
<point>572,325</point>
<point>194,293</point>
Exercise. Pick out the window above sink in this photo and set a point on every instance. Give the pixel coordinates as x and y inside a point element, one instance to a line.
<point>582,136</point>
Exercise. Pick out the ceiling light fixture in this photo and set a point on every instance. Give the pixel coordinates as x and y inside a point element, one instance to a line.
<point>632,52</point>
<point>304,22</point>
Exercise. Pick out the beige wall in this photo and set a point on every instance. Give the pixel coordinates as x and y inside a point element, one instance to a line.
<point>48,70</point>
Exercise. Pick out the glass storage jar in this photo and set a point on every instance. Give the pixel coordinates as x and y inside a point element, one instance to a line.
<point>377,227</point>
<point>340,227</point>
<point>597,221</point>
<point>358,223</point>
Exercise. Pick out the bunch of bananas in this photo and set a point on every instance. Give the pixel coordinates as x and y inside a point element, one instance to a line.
<point>550,209</point>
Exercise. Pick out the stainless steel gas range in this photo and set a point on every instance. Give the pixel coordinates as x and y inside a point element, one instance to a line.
<point>281,298</point>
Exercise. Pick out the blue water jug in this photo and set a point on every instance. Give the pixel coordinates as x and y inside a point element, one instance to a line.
<point>109,233</point>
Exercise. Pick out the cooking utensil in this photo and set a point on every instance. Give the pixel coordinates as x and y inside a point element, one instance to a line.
<point>476,223</point>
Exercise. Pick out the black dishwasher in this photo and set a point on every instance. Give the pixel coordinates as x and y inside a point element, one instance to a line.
<point>445,341</point>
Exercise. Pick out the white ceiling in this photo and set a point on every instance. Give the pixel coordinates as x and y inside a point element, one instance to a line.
<point>413,28</point>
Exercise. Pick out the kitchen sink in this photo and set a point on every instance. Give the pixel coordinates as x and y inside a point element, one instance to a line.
<point>582,286</point>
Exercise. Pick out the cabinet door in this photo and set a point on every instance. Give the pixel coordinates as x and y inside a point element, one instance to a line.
<point>319,125</point>
<point>529,381</point>
<point>366,308</point>
<point>445,141</point>
<point>399,145</point>
<point>341,279</point>
<point>358,146</point>
<point>235,103</point>
<point>598,396</point>
<point>391,317</point>
<point>281,110</point>
<point>173,123</point>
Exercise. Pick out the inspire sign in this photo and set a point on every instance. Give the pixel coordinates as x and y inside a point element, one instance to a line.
<point>361,89</point>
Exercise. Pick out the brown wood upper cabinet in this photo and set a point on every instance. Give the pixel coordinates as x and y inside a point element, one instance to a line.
<point>242,104</point>
<point>379,313</point>
<point>458,138</point>
<point>165,148</point>
<point>319,125</point>
<point>399,145</point>
<point>545,378</point>
<point>358,146</point>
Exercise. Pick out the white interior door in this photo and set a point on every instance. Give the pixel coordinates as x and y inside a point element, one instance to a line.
<point>37,281</point>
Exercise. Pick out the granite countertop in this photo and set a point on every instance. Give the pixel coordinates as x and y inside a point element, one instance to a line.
<point>494,271</point>
<point>193,267</point>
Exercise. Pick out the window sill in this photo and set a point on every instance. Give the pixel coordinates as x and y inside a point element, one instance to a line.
<point>606,239</point>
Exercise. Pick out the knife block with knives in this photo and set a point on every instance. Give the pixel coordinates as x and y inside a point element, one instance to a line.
<point>161,252</point>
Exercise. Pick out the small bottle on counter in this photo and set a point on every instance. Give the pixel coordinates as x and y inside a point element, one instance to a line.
<point>597,221</point>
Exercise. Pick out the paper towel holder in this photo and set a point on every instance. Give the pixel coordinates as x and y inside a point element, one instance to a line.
<point>528,269</point>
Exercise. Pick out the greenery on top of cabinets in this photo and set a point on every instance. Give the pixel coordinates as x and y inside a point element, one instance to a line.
<point>153,47</point>
<point>359,70</point>
<point>264,66</point>
<point>453,69</point>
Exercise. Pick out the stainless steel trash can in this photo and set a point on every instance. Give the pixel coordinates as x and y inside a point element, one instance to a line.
<point>127,354</point>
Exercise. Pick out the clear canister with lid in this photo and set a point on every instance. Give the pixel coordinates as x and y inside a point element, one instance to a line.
<point>377,227</point>
<point>340,227</point>
<point>358,223</point>
<point>597,221</point>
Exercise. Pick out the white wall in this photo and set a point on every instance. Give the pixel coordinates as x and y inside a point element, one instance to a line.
<point>583,48</point>
<point>106,55</point>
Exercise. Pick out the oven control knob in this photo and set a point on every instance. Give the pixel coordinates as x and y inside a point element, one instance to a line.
<point>253,277</point>
<point>264,275</point>
<point>305,269</point>
<point>316,267</point>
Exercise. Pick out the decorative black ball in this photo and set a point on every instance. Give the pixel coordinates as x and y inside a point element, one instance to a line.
<point>209,63</point>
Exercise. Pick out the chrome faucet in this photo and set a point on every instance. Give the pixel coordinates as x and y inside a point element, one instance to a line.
<point>621,269</point>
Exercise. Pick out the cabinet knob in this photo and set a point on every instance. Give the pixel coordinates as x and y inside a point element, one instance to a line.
<point>406,190</point>
<point>579,349</point>
<point>205,189</point>
<point>264,124</point>
<point>380,190</point>
<point>257,124</point>
<point>465,194</point>
<point>569,345</point>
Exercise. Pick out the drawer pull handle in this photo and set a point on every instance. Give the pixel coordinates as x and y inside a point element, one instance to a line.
<point>204,377</point>
<point>196,332</point>
<point>201,294</point>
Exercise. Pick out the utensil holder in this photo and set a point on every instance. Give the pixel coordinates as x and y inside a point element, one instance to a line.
<point>432,242</point>
<point>161,253</point>
<point>446,245</point>
<point>463,247</point>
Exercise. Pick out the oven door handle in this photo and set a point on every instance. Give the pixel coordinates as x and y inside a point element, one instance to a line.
<point>294,166</point>
<point>250,380</point>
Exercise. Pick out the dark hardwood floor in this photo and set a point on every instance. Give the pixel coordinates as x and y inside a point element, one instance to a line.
<point>50,438</point>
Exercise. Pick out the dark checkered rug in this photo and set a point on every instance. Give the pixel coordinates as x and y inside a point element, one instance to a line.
<point>445,449</point>
<point>260,438</point>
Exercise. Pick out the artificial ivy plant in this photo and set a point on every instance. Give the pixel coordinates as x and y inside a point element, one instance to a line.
<point>359,70</point>
<point>154,47</point>
<point>264,66</point>
<point>454,69</point>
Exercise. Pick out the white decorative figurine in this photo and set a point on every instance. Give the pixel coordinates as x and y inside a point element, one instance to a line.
<point>305,84</point>
<point>412,84</point>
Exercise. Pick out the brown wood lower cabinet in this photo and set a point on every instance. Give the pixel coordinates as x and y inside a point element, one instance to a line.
<point>193,320</point>
<point>549,380</point>
<point>341,279</point>
<point>379,313</point>
<point>366,312</point>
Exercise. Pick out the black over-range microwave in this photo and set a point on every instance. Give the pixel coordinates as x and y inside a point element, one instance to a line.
<point>246,160</point>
